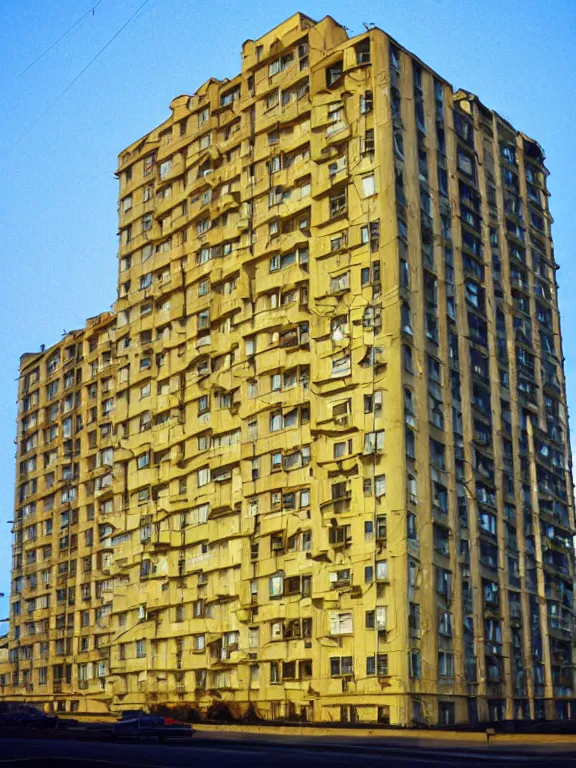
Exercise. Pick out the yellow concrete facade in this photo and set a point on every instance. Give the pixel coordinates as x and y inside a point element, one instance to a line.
<point>316,463</point>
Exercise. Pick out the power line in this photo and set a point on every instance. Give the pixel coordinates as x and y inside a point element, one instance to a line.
<point>55,43</point>
<point>79,75</point>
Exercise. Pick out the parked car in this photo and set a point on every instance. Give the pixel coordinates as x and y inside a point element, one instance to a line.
<point>26,716</point>
<point>151,727</point>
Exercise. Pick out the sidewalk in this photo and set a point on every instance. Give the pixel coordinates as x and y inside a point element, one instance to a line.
<point>375,738</point>
<point>348,740</point>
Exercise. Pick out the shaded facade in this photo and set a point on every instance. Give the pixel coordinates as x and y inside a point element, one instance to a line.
<point>323,443</point>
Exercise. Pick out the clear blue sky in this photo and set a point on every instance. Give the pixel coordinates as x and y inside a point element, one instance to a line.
<point>58,196</point>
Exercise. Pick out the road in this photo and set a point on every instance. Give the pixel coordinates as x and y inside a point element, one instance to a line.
<point>206,753</point>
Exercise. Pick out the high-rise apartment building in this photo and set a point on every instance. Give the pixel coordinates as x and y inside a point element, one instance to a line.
<point>58,627</point>
<point>316,463</point>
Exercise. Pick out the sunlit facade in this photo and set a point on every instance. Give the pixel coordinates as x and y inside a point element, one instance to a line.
<point>316,463</point>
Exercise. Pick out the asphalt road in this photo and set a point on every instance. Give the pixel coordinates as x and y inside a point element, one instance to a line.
<point>32,752</point>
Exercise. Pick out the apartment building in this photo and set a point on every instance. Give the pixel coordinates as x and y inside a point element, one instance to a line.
<point>57,641</point>
<point>320,450</point>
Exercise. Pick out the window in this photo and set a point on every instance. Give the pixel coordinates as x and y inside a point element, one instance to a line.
<point>491,595</point>
<point>374,442</point>
<point>341,366</point>
<point>414,665</point>
<point>339,535</point>
<point>381,528</point>
<point>381,570</point>
<point>305,189</point>
<point>368,187</point>
<point>366,102</point>
<point>252,387</point>
<point>445,624</point>
<point>272,99</point>
<point>203,226</point>
<point>199,642</point>
<point>340,578</point>
<point>508,153</point>
<point>334,73</point>
<point>203,476</point>
<point>363,51</point>
<point>273,164</point>
<point>148,164</point>
<point>279,65</point>
<point>444,582</point>
<point>377,665</point>
<point>406,318</point>
<point>445,664</point>
<point>165,168</point>
<point>275,422</point>
<point>140,649</point>
<point>446,713</point>
<point>340,623</point>
<point>437,454</point>
<point>276,586</point>
<point>342,449</point>
<point>143,460</point>
<point>337,166</point>
<point>414,619</point>
<point>370,233</point>
<point>465,163</point>
<point>341,666</point>
<point>340,283</point>
<point>338,203</point>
